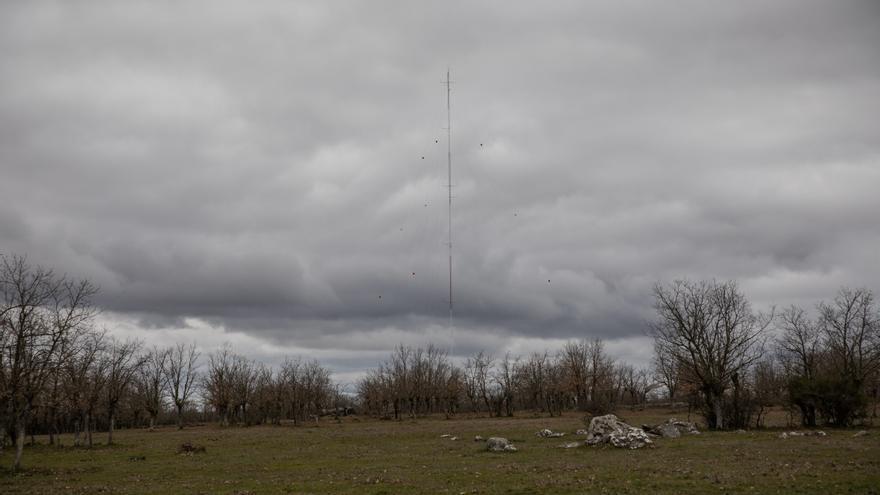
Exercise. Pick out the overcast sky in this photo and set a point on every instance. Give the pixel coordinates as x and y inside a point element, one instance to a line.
<point>253,172</point>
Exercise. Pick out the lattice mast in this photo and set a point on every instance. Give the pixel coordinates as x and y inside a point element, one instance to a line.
<point>448,83</point>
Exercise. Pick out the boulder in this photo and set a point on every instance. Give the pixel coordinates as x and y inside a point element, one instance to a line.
<point>498,444</point>
<point>610,429</point>
<point>672,428</point>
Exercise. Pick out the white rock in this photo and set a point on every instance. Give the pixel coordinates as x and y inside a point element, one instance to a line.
<point>610,429</point>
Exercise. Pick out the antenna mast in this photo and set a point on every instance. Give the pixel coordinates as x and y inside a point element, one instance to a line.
<point>448,83</point>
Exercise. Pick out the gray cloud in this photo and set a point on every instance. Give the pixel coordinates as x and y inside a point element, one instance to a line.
<point>260,167</point>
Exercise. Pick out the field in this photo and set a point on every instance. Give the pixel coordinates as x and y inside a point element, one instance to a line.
<point>376,457</point>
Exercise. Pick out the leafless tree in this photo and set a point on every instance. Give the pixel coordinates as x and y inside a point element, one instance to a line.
<point>151,382</point>
<point>505,379</point>
<point>478,370</point>
<point>219,382</point>
<point>83,383</point>
<point>709,329</point>
<point>666,370</point>
<point>851,326</point>
<point>123,363</point>
<point>39,311</point>
<point>800,342</point>
<point>181,371</point>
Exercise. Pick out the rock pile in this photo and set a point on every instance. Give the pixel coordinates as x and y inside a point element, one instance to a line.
<point>610,429</point>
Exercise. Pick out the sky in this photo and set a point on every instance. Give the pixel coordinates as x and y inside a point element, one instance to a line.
<point>272,174</point>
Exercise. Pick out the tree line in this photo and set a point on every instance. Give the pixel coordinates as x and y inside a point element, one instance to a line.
<point>712,352</point>
<point>581,376</point>
<point>61,374</point>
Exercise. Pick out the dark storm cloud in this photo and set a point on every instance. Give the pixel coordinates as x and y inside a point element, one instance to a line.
<point>260,167</point>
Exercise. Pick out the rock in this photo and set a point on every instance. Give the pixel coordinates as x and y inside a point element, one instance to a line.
<point>571,445</point>
<point>672,428</point>
<point>862,433</point>
<point>453,438</point>
<point>610,429</point>
<point>741,431</point>
<point>478,438</point>
<point>446,435</point>
<point>808,433</point>
<point>545,433</point>
<point>498,444</point>
<point>581,432</point>
<point>666,430</point>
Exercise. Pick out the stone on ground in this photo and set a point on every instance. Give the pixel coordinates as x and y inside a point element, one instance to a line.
<point>611,430</point>
<point>672,428</point>
<point>498,444</point>
<point>546,433</point>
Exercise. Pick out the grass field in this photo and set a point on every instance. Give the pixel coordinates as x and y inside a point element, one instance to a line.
<point>376,457</point>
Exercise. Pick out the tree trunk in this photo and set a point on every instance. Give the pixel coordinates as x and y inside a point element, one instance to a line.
<point>180,417</point>
<point>88,432</point>
<point>110,428</point>
<point>719,414</point>
<point>19,445</point>
<point>152,421</point>
<point>51,425</point>
<point>76,430</point>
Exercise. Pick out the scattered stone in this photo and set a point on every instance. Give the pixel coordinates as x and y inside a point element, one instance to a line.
<point>478,438</point>
<point>498,444</point>
<point>545,433</point>
<point>862,433</point>
<point>808,433</point>
<point>741,431</point>
<point>190,449</point>
<point>453,438</point>
<point>581,432</point>
<point>446,435</point>
<point>610,429</point>
<point>571,445</point>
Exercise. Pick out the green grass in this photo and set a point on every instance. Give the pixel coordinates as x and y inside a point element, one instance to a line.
<point>377,457</point>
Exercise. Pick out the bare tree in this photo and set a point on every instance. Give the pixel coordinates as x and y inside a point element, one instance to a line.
<point>478,370</point>
<point>666,370</point>
<point>219,382</point>
<point>151,382</point>
<point>574,359</point>
<point>800,342</point>
<point>505,379</point>
<point>38,312</point>
<point>123,363</point>
<point>710,330</point>
<point>851,325</point>
<point>181,371</point>
<point>83,376</point>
